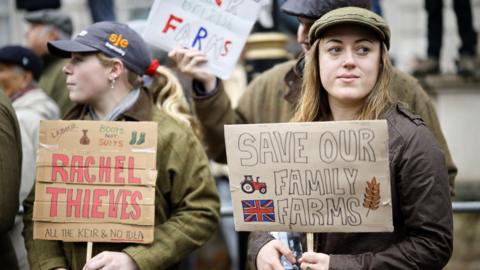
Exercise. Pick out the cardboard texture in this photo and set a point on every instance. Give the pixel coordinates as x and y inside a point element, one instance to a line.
<point>310,177</point>
<point>217,28</point>
<point>102,232</point>
<point>96,181</point>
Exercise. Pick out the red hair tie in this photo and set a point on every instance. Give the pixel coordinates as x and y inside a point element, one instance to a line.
<point>150,71</point>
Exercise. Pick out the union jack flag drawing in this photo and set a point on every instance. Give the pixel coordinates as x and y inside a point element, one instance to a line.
<point>258,211</point>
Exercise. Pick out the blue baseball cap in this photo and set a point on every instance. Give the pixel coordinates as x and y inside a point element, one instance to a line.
<point>114,39</point>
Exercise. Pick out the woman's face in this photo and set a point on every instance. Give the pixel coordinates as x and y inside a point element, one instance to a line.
<point>349,62</point>
<point>87,78</point>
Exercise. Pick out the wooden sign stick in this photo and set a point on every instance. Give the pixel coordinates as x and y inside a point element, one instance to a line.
<point>310,242</point>
<point>89,251</point>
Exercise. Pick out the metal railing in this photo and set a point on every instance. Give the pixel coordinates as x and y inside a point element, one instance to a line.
<point>466,207</point>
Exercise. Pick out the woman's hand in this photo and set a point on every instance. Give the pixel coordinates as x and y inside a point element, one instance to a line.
<point>314,261</point>
<point>189,61</point>
<point>268,257</point>
<point>111,260</point>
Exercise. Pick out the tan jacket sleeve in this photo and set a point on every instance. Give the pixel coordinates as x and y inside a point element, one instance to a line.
<point>409,91</point>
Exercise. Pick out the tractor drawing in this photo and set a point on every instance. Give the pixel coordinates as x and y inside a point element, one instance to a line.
<point>249,185</point>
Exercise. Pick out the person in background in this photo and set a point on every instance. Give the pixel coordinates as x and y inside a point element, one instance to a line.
<point>466,63</point>
<point>20,69</point>
<point>10,172</point>
<point>347,77</point>
<point>273,95</point>
<point>45,26</point>
<point>102,10</point>
<point>105,79</point>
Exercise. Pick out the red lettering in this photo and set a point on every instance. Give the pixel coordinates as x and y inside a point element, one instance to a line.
<point>74,203</point>
<point>131,178</point>
<point>86,204</point>
<point>113,203</point>
<point>59,161</point>
<point>126,193</point>
<point>89,161</point>
<point>119,165</point>
<point>54,200</point>
<point>97,201</point>
<point>76,169</point>
<point>169,24</point>
<point>136,208</point>
<point>226,46</point>
<point>104,174</point>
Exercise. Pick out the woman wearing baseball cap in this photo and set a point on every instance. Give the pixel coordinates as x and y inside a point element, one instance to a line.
<point>346,77</point>
<point>104,76</point>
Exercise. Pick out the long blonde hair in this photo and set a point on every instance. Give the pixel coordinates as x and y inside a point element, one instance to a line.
<point>167,93</point>
<point>313,104</point>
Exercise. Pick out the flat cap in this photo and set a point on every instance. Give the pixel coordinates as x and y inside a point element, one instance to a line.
<point>22,57</point>
<point>51,17</point>
<point>351,15</point>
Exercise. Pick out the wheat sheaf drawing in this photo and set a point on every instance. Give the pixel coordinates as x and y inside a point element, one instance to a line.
<point>372,195</point>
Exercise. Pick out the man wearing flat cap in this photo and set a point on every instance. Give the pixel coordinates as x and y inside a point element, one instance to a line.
<point>20,69</point>
<point>45,26</point>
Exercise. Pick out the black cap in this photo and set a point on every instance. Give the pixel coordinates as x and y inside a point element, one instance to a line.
<point>22,57</point>
<point>314,9</point>
<point>51,17</point>
<point>111,38</point>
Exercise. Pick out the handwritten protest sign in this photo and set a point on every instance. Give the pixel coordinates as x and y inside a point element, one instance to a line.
<point>96,181</point>
<point>218,28</point>
<point>310,177</point>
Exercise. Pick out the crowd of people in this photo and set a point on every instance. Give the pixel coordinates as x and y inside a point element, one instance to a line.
<point>57,76</point>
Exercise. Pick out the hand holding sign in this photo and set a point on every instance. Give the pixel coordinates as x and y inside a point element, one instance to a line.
<point>219,29</point>
<point>314,261</point>
<point>268,256</point>
<point>111,260</point>
<point>190,62</point>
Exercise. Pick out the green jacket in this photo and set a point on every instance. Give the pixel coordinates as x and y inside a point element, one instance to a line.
<point>10,171</point>
<point>186,201</point>
<point>271,98</point>
<point>54,83</point>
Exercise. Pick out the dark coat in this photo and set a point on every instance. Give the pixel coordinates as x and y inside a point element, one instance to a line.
<point>422,210</point>
<point>10,172</point>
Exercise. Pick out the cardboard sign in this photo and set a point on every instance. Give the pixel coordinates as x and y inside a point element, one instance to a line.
<point>310,177</point>
<point>218,28</point>
<point>96,181</point>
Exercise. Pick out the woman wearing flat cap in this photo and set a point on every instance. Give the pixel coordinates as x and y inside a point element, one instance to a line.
<point>104,76</point>
<point>347,76</point>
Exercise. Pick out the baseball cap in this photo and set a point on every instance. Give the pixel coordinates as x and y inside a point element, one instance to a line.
<point>51,17</point>
<point>352,15</point>
<point>114,39</point>
<point>314,9</point>
<point>22,57</point>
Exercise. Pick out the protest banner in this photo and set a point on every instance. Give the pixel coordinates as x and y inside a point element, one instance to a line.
<point>95,181</point>
<point>218,28</point>
<point>310,177</point>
